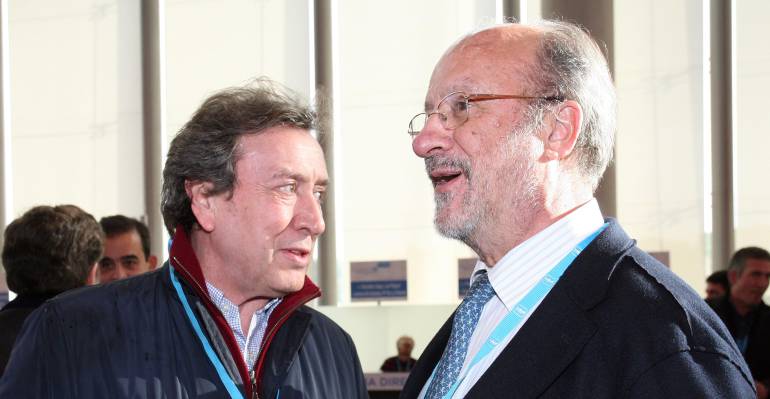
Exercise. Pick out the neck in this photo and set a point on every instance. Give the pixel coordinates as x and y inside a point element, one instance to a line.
<point>741,307</point>
<point>506,236</point>
<point>246,311</point>
<point>214,272</point>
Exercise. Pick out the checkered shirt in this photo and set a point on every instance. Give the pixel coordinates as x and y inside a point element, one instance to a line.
<point>248,343</point>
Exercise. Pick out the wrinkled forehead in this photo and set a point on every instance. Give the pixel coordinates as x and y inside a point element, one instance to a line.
<point>495,60</point>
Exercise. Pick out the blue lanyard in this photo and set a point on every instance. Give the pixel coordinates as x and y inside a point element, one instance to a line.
<point>524,307</point>
<point>220,368</point>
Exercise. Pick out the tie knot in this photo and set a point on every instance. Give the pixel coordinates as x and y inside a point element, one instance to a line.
<point>481,290</point>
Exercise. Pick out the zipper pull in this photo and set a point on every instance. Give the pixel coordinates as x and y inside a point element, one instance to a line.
<point>254,393</point>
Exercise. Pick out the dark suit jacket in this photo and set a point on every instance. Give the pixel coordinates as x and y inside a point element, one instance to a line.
<point>618,324</point>
<point>758,349</point>
<point>12,317</point>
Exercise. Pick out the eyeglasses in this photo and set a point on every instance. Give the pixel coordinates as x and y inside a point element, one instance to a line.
<point>452,110</point>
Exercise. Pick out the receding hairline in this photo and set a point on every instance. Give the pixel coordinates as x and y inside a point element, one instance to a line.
<point>514,47</point>
<point>497,36</point>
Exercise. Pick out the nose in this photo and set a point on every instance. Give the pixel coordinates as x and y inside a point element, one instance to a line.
<point>432,139</point>
<point>309,216</point>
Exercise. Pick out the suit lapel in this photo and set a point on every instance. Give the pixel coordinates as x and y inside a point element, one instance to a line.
<point>427,361</point>
<point>560,327</point>
<point>552,337</point>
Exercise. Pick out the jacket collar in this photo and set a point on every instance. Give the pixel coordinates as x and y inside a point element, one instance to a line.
<point>588,277</point>
<point>29,301</point>
<point>182,257</point>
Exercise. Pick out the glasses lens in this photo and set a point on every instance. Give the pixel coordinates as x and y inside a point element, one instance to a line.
<point>454,107</point>
<point>416,124</point>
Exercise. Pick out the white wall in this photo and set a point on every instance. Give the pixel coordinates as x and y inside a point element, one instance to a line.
<point>375,329</point>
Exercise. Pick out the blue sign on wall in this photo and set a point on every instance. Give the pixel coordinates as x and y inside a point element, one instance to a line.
<point>380,280</point>
<point>464,270</point>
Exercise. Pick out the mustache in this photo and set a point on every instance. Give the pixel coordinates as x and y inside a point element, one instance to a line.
<point>435,162</point>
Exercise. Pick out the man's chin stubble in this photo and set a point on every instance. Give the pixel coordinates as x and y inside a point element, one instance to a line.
<point>457,227</point>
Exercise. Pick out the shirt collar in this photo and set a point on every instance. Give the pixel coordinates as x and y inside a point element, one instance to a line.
<point>524,265</point>
<point>222,303</point>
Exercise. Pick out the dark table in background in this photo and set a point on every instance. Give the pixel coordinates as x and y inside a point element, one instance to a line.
<point>385,385</point>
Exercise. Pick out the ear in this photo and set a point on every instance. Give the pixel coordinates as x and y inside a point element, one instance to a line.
<point>152,261</point>
<point>732,276</point>
<point>565,130</point>
<point>91,278</point>
<point>202,203</point>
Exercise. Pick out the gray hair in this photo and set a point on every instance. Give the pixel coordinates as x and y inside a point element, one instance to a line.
<point>205,149</point>
<point>738,260</point>
<point>571,65</point>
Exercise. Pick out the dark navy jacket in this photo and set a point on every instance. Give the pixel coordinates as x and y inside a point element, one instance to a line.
<point>12,318</point>
<point>618,324</point>
<point>757,352</point>
<point>132,339</point>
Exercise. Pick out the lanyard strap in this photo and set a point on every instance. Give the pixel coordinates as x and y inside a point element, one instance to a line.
<point>525,306</point>
<point>220,368</point>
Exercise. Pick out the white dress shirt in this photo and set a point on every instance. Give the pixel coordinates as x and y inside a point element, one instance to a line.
<point>515,275</point>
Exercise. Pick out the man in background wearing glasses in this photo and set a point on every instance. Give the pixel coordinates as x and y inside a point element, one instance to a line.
<point>517,131</point>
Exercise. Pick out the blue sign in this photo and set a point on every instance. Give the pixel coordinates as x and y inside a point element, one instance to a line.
<point>378,280</point>
<point>464,270</point>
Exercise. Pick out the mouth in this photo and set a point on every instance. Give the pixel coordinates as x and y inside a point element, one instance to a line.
<point>443,171</point>
<point>298,255</point>
<point>443,177</point>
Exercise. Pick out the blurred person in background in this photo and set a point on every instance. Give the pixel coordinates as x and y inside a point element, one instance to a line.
<point>403,362</point>
<point>717,285</point>
<point>46,251</point>
<point>126,249</point>
<point>745,313</point>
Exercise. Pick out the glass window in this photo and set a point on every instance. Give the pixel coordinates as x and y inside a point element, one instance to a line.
<point>244,40</point>
<point>387,199</point>
<point>752,125</point>
<point>660,75</point>
<point>76,121</point>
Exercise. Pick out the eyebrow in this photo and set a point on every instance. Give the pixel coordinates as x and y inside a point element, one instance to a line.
<point>465,85</point>
<point>284,173</point>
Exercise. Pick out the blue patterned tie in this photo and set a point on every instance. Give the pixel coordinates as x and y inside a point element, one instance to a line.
<point>464,323</point>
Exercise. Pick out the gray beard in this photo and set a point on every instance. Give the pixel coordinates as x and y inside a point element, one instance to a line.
<point>459,226</point>
<point>478,213</point>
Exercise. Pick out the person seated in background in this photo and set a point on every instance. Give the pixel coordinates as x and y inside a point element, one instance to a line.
<point>404,361</point>
<point>47,251</point>
<point>717,285</point>
<point>126,249</point>
<point>744,313</point>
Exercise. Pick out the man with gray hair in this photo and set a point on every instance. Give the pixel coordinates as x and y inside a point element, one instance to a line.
<point>516,133</point>
<point>225,316</point>
<point>744,313</point>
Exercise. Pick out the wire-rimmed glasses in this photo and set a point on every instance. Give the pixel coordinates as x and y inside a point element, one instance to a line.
<point>452,110</point>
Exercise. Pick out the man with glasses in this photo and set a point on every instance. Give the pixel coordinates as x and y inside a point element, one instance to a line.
<point>517,131</point>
